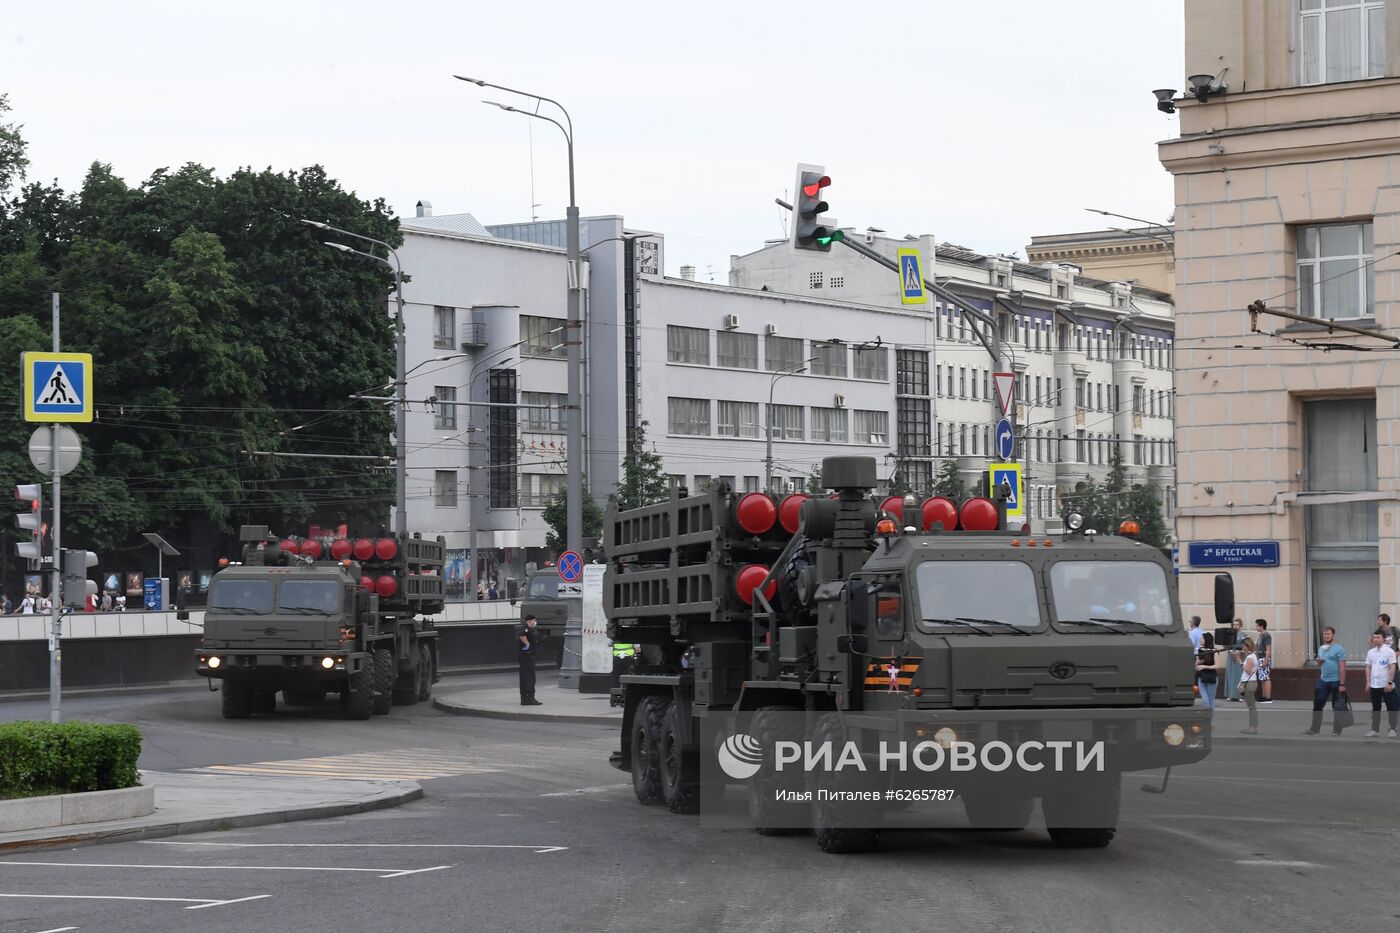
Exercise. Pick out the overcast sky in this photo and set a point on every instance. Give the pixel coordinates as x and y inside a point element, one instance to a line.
<point>982,123</point>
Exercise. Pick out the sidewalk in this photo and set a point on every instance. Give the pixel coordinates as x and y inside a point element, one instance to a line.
<point>498,697</point>
<point>196,803</point>
<point>1283,721</point>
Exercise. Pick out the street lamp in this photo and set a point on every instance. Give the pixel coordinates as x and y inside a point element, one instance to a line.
<point>400,376</point>
<point>772,384</point>
<point>574,338</point>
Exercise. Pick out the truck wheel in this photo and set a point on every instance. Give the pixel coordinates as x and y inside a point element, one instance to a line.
<point>358,695</point>
<point>646,730</point>
<point>237,700</point>
<point>770,816</point>
<point>427,672</point>
<point>408,686</point>
<point>830,820</point>
<point>680,769</point>
<point>997,813</point>
<point>383,681</point>
<point>265,702</point>
<point>1086,818</point>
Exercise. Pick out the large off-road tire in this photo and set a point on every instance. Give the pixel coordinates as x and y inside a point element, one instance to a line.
<point>429,672</point>
<point>358,696</point>
<point>646,732</point>
<point>829,824</point>
<point>237,700</point>
<point>383,681</point>
<point>408,684</point>
<point>264,702</point>
<point>769,816</point>
<point>1086,818</point>
<point>996,812</point>
<point>680,764</point>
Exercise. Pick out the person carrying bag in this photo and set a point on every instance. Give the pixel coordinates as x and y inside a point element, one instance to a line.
<point>1249,686</point>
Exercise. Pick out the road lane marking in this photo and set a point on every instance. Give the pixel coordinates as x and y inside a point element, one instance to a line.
<point>538,850</point>
<point>600,789</point>
<point>196,902</point>
<point>409,764</point>
<point>1275,864</point>
<point>392,872</point>
<point>58,930</point>
<point>1274,780</point>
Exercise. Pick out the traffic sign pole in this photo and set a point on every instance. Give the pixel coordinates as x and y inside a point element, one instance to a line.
<point>55,632</point>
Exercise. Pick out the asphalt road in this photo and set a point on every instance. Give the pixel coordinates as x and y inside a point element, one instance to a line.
<point>528,828</point>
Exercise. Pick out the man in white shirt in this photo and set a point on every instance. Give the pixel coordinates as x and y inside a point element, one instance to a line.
<point>26,605</point>
<point>1380,675</point>
<point>1195,633</point>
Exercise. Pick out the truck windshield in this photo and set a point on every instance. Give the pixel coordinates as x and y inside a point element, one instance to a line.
<point>985,590</point>
<point>241,596</point>
<point>1129,591</point>
<point>315,596</point>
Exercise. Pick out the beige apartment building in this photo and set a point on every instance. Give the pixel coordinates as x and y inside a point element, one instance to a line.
<point>1288,191</point>
<point>1140,256</point>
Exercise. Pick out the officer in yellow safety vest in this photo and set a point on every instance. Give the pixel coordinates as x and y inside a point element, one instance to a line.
<point>624,657</point>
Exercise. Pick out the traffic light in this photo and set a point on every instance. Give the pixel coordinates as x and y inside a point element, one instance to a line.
<point>810,230</point>
<point>31,521</point>
<point>76,585</point>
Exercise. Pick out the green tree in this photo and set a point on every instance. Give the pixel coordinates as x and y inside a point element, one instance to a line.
<point>13,160</point>
<point>948,480</point>
<point>1145,504</point>
<point>556,516</point>
<point>899,480</point>
<point>644,478</point>
<point>814,485</point>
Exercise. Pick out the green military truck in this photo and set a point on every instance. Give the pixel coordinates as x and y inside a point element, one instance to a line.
<point>309,618</point>
<point>840,618</point>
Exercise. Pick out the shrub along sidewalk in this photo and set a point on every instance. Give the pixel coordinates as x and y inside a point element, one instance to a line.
<point>39,758</point>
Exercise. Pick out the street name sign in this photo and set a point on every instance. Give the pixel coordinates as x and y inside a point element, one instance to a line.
<point>1233,553</point>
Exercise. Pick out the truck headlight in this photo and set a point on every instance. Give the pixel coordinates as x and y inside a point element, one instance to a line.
<point>328,663</point>
<point>946,736</point>
<point>214,662</point>
<point>1174,735</point>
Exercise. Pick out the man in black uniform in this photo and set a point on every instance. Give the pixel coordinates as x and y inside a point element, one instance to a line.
<point>529,641</point>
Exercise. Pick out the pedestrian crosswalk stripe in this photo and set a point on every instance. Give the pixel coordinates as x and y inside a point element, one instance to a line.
<point>410,764</point>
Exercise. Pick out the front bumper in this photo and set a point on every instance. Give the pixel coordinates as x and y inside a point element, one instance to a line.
<point>283,665</point>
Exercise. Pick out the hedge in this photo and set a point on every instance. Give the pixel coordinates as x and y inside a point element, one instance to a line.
<point>66,757</point>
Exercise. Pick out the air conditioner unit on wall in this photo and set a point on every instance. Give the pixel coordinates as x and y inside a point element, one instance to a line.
<point>840,401</point>
<point>731,321</point>
<point>770,329</point>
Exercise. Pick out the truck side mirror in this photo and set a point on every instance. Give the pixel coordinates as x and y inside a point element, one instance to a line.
<point>851,644</point>
<point>1224,599</point>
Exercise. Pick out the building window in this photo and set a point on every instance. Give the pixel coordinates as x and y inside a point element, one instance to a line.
<point>836,281</point>
<point>737,350</point>
<point>737,419</point>
<point>542,336</point>
<point>1335,277</point>
<point>1081,447</point>
<point>872,363</point>
<point>829,424</point>
<point>547,420</point>
<point>702,483</point>
<point>689,416</point>
<point>445,489</point>
<point>872,427</point>
<point>782,353</point>
<point>911,372</point>
<point>814,280</point>
<point>538,490</point>
<point>444,326</point>
<point>503,488</point>
<point>829,359</point>
<point>687,345</point>
<point>962,382</point>
<point>445,415</point>
<point>918,474</point>
<point>786,421</point>
<point>750,484</point>
<point>912,418</point>
<point>1342,40</point>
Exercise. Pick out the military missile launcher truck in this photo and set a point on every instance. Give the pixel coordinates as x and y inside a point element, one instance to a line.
<point>875,624</point>
<point>309,618</point>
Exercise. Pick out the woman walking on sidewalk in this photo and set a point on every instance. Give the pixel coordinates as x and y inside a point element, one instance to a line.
<point>1207,670</point>
<point>1249,685</point>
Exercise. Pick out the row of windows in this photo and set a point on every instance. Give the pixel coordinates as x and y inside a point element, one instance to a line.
<point>692,416</point>
<point>1037,336</point>
<point>737,350</point>
<point>536,490</point>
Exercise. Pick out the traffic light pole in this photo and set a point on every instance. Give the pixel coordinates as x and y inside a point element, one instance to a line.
<point>55,585</point>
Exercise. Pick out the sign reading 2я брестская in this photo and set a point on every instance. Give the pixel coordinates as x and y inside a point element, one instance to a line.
<point>1233,553</point>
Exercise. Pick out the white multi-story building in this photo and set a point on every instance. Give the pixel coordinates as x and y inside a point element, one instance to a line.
<point>1093,360</point>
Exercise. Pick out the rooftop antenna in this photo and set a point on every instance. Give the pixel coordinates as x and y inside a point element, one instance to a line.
<point>530,128</point>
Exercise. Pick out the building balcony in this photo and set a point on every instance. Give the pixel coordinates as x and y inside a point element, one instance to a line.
<point>473,335</point>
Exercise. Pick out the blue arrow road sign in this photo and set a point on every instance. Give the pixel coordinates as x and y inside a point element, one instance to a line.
<point>1006,439</point>
<point>570,566</point>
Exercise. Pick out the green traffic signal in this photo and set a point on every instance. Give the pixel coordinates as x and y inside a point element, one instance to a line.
<point>835,236</point>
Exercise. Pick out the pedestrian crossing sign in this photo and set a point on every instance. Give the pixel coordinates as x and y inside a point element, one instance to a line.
<point>57,386</point>
<point>911,277</point>
<point>1009,476</point>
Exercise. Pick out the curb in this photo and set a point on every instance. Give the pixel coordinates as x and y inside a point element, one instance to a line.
<point>481,712</point>
<point>1281,741</point>
<point>214,824</point>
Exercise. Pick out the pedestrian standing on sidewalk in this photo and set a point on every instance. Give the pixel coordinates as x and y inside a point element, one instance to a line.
<point>1249,684</point>
<point>1392,636</point>
<point>26,605</point>
<point>1195,633</point>
<point>1207,670</point>
<point>529,641</point>
<point>1234,661</point>
<point>1264,651</point>
<point>1380,676</point>
<point>1331,679</point>
<point>6,607</point>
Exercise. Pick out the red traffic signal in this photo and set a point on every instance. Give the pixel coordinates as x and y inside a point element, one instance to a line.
<point>813,188</point>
